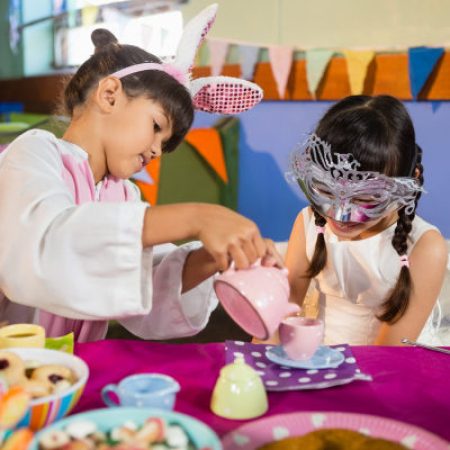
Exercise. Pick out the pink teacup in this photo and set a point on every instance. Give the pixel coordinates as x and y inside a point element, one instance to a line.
<point>300,337</point>
<point>257,299</point>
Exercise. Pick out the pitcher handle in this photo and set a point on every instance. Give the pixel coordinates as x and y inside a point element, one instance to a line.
<point>106,395</point>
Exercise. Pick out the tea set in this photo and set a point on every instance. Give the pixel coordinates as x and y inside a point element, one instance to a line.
<point>257,299</point>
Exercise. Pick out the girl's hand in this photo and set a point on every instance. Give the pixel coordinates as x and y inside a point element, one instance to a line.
<point>272,256</point>
<point>230,237</point>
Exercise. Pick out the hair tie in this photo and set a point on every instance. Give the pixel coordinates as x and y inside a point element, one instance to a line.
<point>404,261</point>
<point>320,230</point>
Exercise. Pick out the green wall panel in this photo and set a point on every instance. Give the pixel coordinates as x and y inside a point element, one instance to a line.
<point>186,177</point>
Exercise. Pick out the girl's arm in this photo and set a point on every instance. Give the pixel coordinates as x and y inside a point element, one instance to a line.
<point>297,262</point>
<point>198,267</point>
<point>428,262</point>
<point>226,235</point>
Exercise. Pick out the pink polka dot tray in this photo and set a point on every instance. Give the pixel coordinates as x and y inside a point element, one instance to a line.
<point>283,377</point>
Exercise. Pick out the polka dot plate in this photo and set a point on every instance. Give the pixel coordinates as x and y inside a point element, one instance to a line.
<point>324,358</point>
<point>273,428</point>
<point>278,377</point>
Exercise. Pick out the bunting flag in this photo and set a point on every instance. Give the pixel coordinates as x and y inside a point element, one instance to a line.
<point>316,63</point>
<point>280,57</point>
<point>435,105</point>
<point>357,63</point>
<point>208,144</point>
<point>217,55</point>
<point>149,191</point>
<point>89,15</point>
<point>202,55</point>
<point>421,62</point>
<point>143,176</point>
<point>248,57</point>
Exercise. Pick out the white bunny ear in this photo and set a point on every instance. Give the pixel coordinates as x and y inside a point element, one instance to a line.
<point>224,95</point>
<point>193,35</point>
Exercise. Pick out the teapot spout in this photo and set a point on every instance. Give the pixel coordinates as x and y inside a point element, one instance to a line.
<point>293,308</point>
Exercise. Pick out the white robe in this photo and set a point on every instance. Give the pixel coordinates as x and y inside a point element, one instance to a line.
<point>82,258</point>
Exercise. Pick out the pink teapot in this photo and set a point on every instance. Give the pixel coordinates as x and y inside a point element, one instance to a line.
<point>257,299</point>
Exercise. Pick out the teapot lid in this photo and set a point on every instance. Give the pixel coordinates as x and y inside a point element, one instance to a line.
<point>238,370</point>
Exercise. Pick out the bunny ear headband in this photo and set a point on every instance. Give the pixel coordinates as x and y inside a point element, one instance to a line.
<point>224,95</point>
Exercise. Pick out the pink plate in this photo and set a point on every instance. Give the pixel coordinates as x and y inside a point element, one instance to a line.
<point>257,433</point>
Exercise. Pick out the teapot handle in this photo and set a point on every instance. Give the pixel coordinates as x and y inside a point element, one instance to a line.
<point>232,267</point>
<point>257,263</point>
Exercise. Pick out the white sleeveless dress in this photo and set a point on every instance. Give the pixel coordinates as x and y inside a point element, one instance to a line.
<point>349,291</point>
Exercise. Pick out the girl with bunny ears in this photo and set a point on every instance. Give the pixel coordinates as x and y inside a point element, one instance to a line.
<point>376,268</point>
<point>84,245</point>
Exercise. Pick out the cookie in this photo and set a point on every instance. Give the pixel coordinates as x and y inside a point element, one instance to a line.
<point>12,368</point>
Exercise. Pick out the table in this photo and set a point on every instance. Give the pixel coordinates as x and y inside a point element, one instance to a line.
<point>409,384</point>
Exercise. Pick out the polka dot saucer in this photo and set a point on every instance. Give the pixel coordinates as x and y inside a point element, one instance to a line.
<point>324,358</point>
<point>277,377</point>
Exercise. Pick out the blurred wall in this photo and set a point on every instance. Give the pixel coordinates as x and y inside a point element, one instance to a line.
<point>380,24</point>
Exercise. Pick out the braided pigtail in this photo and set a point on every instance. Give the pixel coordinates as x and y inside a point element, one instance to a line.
<point>397,301</point>
<point>320,251</point>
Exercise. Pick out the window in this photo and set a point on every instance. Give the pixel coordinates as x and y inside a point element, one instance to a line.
<point>156,32</point>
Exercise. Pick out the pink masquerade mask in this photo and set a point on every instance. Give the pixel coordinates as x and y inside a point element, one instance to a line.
<point>224,95</point>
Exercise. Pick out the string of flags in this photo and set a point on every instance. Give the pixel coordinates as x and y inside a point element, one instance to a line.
<point>215,53</point>
<point>421,63</point>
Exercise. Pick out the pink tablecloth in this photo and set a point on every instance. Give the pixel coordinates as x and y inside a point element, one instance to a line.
<point>409,384</point>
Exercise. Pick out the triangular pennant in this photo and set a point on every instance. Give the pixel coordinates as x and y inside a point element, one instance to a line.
<point>143,176</point>
<point>357,63</point>
<point>208,144</point>
<point>316,62</point>
<point>248,57</point>
<point>280,57</point>
<point>89,15</point>
<point>435,105</point>
<point>150,191</point>
<point>217,54</point>
<point>421,62</point>
<point>202,55</point>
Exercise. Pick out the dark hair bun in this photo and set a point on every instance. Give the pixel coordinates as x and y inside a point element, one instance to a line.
<point>101,38</point>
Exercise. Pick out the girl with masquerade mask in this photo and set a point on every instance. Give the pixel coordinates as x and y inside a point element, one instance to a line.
<point>376,267</point>
<point>78,245</point>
